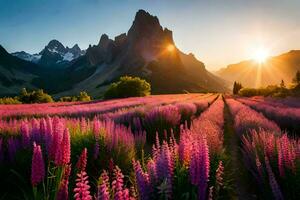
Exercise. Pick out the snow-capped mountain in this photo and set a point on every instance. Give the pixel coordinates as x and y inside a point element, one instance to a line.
<point>54,54</point>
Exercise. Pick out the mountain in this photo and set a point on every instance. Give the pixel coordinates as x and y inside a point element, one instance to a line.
<point>16,73</point>
<point>55,54</point>
<point>275,69</point>
<point>27,56</point>
<point>146,50</point>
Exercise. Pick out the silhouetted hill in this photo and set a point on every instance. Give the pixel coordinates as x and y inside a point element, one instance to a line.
<point>271,72</point>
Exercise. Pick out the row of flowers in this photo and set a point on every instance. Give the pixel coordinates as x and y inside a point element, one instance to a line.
<point>271,156</point>
<point>87,108</point>
<point>285,116</point>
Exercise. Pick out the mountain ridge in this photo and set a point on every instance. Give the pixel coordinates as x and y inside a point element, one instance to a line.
<point>276,68</point>
<point>54,54</point>
<point>147,50</point>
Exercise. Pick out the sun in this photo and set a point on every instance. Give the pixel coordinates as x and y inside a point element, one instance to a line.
<point>261,55</point>
<point>170,47</point>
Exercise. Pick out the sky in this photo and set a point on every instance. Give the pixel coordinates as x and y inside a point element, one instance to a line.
<point>217,32</point>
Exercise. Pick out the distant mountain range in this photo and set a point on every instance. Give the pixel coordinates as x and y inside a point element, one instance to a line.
<point>146,50</point>
<point>271,72</point>
<point>53,55</point>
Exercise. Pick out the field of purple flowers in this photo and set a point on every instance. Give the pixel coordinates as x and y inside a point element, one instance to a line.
<point>155,147</point>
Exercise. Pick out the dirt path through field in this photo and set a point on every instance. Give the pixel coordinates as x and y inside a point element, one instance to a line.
<point>235,169</point>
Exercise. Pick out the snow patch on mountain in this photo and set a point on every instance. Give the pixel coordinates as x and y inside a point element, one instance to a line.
<point>68,56</point>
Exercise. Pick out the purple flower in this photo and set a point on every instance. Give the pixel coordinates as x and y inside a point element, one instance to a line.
<point>143,181</point>
<point>25,134</point>
<point>117,184</point>
<point>273,183</point>
<point>199,167</point>
<point>37,166</point>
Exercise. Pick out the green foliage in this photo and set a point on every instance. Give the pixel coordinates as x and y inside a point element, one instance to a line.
<point>68,99</point>
<point>237,87</point>
<point>9,100</point>
<point>36,96</point>
<point>83,96</point>
<point>128,87</point>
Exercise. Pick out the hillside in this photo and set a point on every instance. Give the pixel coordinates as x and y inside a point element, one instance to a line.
<point>275,69</point>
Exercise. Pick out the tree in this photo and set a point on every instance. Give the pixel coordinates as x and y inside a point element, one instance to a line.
<point>38,96</point>
<point>128,87</point>
<point>83,96</point>
<point>282,85</point>
<point>236,87</point>
<point>296,79</point>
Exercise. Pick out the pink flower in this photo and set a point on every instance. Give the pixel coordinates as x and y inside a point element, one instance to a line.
<point>82,187</point>
<point>37,166</point>
<point>103,188</point>
<point>82,161</point>
<point>219,174</point>
<point>56,138</point>
<point>63,153</point>
<point>117,184</point>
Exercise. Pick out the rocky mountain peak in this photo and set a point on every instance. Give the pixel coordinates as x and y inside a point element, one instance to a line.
<point>76,48</point>
<point>144,24</point>
<point>104,41</point>
<point>55,46</point>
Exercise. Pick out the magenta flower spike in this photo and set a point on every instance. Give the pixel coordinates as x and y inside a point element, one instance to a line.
<point>37,166</point>
<point>82,187</point>
<point>82,161</point>
<point>25,134</point>
<point>63,153</point>
<point>273,183</point>
<point>103,187</point>
<point>199,167</point>
<point>143,181</point>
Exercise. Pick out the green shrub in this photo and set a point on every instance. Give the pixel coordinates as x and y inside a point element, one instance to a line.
<point>68,99</point>
<point>83,96</point>
<point>128,87</point>
<point>248,92</point>
<point>9,100</point>
<point>36,96</point>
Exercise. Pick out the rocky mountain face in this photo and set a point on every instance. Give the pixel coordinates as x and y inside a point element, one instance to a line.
<point>253,74</point>
<point>16,73</point>
<point>147,50</point>
<point>55,54</point>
